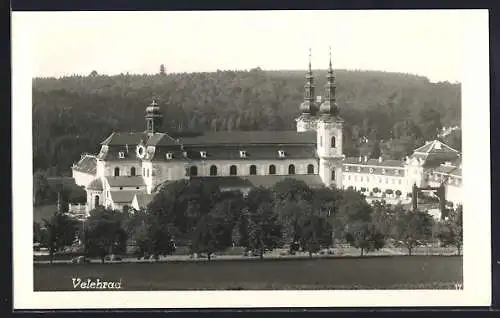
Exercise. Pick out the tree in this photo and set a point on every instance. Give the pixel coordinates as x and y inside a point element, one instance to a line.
<point>314,233</point>
<point>412,227</point>
<point>365,236</point>
<point>210,236</point>
<point>430,122</point>
<point>451,230</point>
<point>264,229</point>
<point>61,232</point>
<point>104,233</point>
<point>292,190</point>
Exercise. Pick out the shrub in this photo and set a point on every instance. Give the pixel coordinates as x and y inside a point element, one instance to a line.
<point>376,190</point>
<point>389,191</point>
<point>398,193</point>
<point>363,189</point>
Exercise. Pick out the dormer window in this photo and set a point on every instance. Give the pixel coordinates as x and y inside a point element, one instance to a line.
<point>169,155</point>
<point>346,168</point>
<point>243,154</point>
<point>185,154</point>
<point>383,171</point>
<point>121,155</point>
<point>281,153</point>
<point>359,169</point>
<point>396,172</point>
<point>203,154</point>
<point>371,170</point>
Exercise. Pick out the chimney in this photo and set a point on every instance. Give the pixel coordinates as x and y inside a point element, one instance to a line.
<point>366,158</point>
<point>380,159</point>
<point>126,146</point>
<point>318,99</point>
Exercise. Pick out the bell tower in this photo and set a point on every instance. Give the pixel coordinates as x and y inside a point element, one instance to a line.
<point>153,117</point>
<point>330,135</point>
<point>308,108</point>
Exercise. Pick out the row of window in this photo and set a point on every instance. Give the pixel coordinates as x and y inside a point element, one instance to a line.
<point>396,171</point>
<point>233,170</point>
<point>145,172</point>
<point>367,179</point>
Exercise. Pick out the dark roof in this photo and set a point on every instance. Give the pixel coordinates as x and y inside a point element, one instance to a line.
<point>245,182</point>
<point>87,164</point>
<point>95,184</point>
<point>435,152</point>
<point>122,196</point>
<point>143,199</point>
<point>250,137</point>
<point>125,181</point>
<point>135,138</point>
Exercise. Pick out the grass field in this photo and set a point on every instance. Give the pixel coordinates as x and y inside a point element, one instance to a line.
<point>393,272</point>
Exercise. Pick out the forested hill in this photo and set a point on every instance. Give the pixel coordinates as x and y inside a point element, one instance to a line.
<point>72,115</point>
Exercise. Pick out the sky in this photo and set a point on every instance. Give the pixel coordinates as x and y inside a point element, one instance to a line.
<point>427,43</point>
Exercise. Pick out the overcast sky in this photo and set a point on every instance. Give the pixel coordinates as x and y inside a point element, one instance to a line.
<point>427,43</point>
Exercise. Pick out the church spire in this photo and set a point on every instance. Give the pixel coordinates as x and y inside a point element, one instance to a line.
<point>309,87</point>
<point>153,117</point>
<point>329,106</point>
<point>307,107</point>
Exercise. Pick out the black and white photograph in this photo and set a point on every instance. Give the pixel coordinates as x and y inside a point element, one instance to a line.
<point>208,158</point>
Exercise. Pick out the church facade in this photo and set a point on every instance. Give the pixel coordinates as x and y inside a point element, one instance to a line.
<point>132,166</point>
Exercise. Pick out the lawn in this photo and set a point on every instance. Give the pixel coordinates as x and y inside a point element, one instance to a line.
<point>391,272</point>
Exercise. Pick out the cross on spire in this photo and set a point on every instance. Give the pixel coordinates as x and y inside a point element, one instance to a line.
<point>309,59</point>
<point>154,103</point>
<point>330,55</point>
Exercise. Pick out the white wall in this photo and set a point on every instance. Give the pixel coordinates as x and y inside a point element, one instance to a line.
<point>82,178</point>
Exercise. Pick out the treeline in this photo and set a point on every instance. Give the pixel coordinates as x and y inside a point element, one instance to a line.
<point>292,215</point>
<point>72,115</point>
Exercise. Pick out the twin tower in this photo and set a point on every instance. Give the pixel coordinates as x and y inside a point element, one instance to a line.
<point>320,114</point>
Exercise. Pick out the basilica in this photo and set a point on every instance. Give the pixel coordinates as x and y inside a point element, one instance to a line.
<point>132,166</point>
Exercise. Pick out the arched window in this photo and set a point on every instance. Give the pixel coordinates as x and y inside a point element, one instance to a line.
<point>272,169</point>
<point>233,170</point>
<point>132,171</point>
<point>96,201</point>
<point>253,170</point>
<point>333,174</point>
<point>291,169</point>
<point>310,169</point>
<point>117,172</point>
<point>213,170</point>
<point>193,171</point>
<point>333,142</point>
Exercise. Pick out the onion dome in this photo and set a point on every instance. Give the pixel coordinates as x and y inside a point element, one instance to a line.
<point>329,108</point>
<point>95,184</point>
<point>153,108</point>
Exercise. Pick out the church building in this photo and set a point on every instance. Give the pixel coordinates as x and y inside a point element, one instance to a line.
<point>132,166</point>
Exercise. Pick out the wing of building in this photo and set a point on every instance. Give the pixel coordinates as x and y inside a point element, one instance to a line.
<point>132,166</point>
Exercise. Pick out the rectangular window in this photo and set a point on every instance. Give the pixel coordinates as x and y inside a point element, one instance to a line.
<point>121,155</point>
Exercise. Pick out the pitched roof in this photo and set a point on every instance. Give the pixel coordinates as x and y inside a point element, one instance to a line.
<point>143,199</point>
<point>125,181</point>
<point>122,196</point>
<point>95,184</point>
<point>435,152</point>
<point>87,164</point>
<point>135,138</point>
<point>250,137</point>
